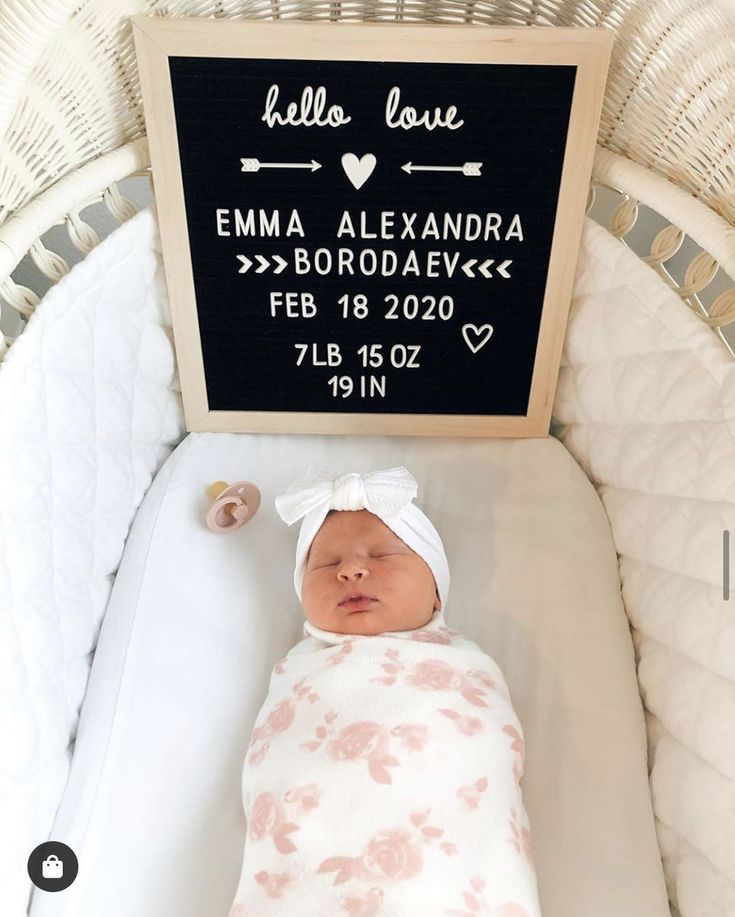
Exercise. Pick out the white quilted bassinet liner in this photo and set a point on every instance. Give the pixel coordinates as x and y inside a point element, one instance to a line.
<point>646,404</point>
<point>90,410</point>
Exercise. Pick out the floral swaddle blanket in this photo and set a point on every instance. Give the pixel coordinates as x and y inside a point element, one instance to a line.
<point>382,779</point>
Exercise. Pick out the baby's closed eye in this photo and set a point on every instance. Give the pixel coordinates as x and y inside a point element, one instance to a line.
<point>334,562</point>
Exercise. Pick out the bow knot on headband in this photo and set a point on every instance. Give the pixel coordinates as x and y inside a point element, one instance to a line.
<point>388,494</point>
<point>384,493</point>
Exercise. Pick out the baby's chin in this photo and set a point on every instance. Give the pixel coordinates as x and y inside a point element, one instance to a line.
<point>373,621</point>
<point>363,622</point>
<point>376,619</point>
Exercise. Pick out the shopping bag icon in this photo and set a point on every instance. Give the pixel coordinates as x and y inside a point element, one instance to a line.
<point>52,867</point>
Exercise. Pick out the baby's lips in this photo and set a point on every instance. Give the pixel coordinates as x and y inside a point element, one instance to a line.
<point>233,505</point>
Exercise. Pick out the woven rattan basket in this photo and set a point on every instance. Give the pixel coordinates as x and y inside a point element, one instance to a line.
<point>71,117</point>
<point>72,129</point>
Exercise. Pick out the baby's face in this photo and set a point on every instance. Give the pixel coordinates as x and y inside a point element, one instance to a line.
<point>354,551</point>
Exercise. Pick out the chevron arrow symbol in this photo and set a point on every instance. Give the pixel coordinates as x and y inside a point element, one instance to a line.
<point>484,268</point>
<point>263,262</point>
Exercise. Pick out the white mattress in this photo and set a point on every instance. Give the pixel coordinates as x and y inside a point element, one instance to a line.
<point>196,621</point>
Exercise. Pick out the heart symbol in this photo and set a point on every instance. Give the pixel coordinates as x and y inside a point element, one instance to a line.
<point>358,170</point>
<point>488,329</point>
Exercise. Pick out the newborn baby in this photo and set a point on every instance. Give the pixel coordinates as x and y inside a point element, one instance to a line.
<point>383,773</point>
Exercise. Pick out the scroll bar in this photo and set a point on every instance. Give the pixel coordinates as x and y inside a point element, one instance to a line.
<point>725,564</point>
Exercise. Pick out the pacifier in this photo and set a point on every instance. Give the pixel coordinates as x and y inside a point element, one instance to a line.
<point>232,505</point>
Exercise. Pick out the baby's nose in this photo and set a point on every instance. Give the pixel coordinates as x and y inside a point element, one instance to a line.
<point>352,568</point>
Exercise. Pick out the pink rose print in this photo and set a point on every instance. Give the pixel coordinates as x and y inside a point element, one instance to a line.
<point>263,816</point>
<point>358,740</point>
<point>369,741</point>
<point>257,756</point>
<point>471,793</point>
<point>432,675</point>
<point>432,636</point>
<point>367,906</point>
<point>519,747</point>
<point>280,667</point>
<point>238,910</point>
<point>477,905</point>
<point>307,796</point>
<point>391,668</point>
<point>429,832</point>
<point>280,718</point>
<point>415,735</point>
<point>278,721</point>
<point>521,839</point>
<point>469,725</point>
<point>266,818</point>
<point>273,883</point>
<point>482,677</point>
<point>342,653</point>
<point>390,856</point>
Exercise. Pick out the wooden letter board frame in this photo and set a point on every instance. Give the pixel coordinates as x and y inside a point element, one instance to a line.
<point>158,39</point>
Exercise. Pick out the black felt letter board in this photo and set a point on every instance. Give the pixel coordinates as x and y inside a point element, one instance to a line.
<point>342,317</point>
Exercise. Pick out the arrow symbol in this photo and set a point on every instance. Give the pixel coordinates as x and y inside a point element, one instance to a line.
<point>484,268</point>
<point>469,168</point>
<point>264,264</point>
<point>467,267</point>
<point>255,165</point>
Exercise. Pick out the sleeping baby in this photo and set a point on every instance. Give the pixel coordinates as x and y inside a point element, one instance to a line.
<point>382,777</point>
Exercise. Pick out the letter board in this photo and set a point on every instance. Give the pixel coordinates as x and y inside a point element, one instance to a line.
<point>370,227</point>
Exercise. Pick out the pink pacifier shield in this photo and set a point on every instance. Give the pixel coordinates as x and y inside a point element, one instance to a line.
<point>233,507</point>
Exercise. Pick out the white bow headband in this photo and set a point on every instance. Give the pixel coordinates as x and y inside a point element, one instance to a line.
<point>387,494</point>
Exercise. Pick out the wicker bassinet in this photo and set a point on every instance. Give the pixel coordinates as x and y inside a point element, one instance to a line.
<point>72,128</point>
